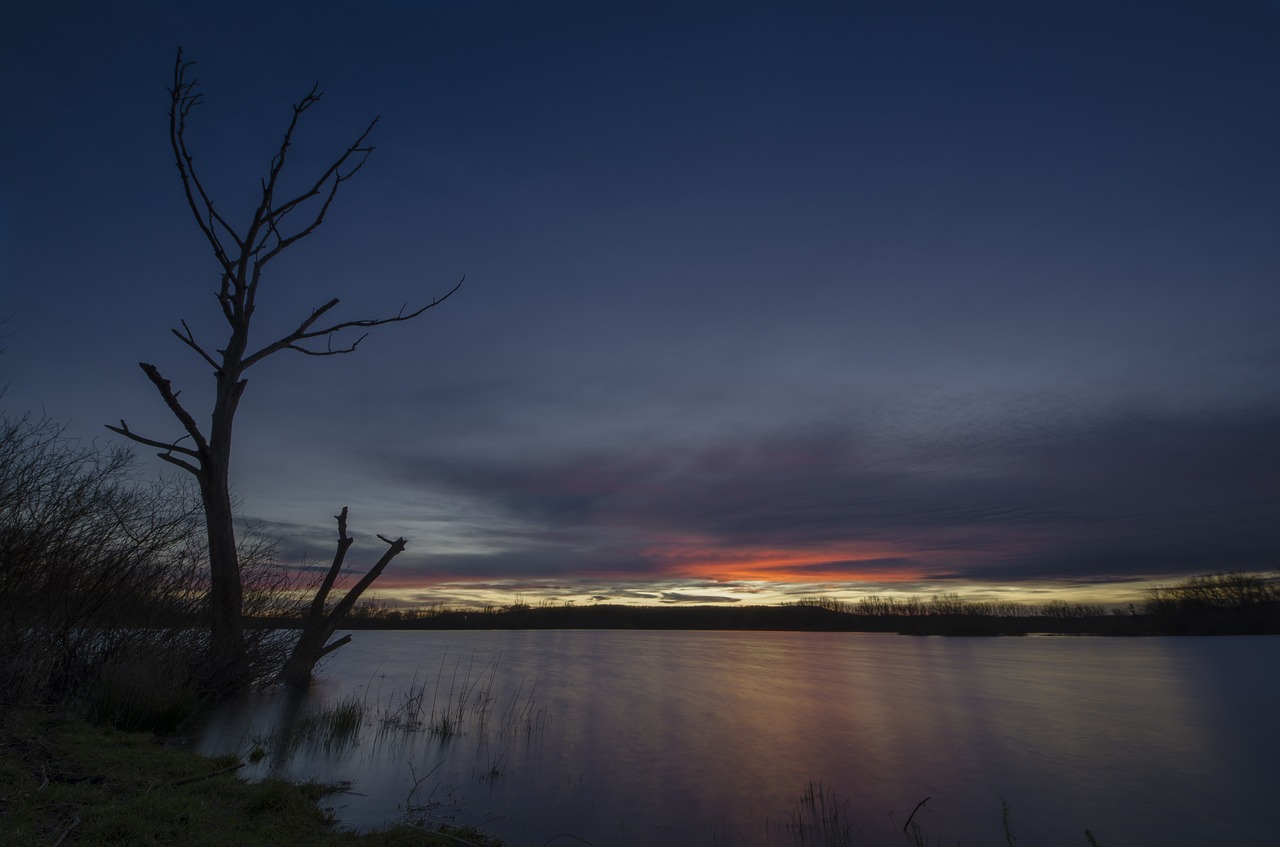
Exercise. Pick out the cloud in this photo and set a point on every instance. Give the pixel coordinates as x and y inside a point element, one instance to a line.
<point>699,599</point>
<point>1037,496</point>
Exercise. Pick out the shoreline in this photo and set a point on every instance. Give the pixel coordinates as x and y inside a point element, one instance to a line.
<point>65,781</point>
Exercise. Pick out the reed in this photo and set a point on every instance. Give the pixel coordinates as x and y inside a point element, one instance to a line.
<point>462,701</point>
<point>336,726</point>
<point>821,819</point>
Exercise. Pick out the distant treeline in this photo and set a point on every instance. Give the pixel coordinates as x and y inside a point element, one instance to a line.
<point>1219,604</point>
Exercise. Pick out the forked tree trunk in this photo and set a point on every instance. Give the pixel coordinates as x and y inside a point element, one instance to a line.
<point>313,642</point>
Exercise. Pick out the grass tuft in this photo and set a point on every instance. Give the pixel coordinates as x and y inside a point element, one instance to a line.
<point>821,819</point>
<point>462,702</point>
<point>124,693</point>
<point>333,727</point>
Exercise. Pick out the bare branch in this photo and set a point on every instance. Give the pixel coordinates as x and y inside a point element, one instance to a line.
<point>224,299</point>
<point>330,350</point>
<point>174,460</point>
<point>304,332</point>
<point>329,648</point>
<point>264,216</point>
<point>353,594</point>
<point>190,340</point>
<point>183,97</point>
<point>335,177</point>
<point>171,400</point>
<point>322,593</point>
<point>174,446</point>
<point>168,448</point>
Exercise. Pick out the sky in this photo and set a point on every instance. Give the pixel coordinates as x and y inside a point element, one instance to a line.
<point>763,300</point>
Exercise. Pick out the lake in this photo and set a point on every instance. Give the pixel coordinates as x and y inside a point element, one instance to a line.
<point>629,738</point>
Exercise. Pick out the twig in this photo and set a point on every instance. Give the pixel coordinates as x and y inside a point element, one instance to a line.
<point>74,778</point>
<point>417,781</point>
<point>565,835</point>
<point>67,832</point>
<point>918,807</point>
<point>228,769</point>
<point>1004,819</point>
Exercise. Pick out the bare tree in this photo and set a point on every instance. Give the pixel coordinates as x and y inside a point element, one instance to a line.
<point>322,620</point>
<point>277,223</point>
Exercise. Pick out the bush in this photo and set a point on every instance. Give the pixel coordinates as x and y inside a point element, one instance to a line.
<point>1217,604</point>
<point>148,690</point>
<point>95,565</point>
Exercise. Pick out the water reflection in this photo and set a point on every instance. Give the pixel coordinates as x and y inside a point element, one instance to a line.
<point>711,737</point>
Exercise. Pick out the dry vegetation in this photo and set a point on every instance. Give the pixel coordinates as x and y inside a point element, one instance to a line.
<point>103,628</point>
<point>64,782</point>
<point>103,586</point>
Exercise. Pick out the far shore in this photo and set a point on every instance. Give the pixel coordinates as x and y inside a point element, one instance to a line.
<point>811,617</point>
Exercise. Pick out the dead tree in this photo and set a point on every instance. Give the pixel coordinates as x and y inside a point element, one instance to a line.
<point>241,255</point>
<point>322,622</point>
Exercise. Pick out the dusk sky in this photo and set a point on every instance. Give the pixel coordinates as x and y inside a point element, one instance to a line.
<point>763,300</point>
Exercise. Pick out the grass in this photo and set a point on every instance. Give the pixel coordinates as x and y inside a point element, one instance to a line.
<point>64,782</point>
<point>124,692</point>
<point>821,819</point>
<point>334,727</point>
<point>462,701</point>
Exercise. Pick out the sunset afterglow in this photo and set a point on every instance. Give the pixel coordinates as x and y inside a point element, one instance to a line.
<point>761,301</point>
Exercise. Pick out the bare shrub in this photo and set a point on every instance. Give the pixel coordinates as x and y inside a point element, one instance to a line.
<point>1217,604</point>
<point>96,567</point>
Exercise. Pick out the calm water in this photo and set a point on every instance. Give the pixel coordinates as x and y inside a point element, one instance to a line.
<point>697,738</point>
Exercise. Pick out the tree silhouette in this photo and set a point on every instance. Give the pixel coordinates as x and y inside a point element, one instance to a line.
<point>277,223</point>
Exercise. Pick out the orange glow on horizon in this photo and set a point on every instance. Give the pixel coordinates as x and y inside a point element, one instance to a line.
<point>788,566</point>
<point>698,559</point>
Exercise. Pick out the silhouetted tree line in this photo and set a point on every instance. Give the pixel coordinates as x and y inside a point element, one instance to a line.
<point>1218,604</point>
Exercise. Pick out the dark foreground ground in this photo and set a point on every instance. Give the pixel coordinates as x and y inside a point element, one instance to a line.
<point>64,782</point>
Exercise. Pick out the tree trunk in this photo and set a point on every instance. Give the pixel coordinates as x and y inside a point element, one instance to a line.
<point>319,625</point>
<point>228,659</point>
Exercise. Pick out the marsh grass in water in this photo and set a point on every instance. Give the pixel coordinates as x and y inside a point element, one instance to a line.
<point>335,726</point>
<point>821,818</point>
<point>459,701</point>
<point>462,702</point>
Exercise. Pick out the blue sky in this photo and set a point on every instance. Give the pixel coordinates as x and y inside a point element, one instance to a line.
<point>763,300</point>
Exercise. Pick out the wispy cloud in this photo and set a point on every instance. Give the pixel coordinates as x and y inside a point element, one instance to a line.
<point>1115,496</point>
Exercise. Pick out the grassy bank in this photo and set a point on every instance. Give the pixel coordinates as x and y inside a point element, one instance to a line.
<point>65,782</point>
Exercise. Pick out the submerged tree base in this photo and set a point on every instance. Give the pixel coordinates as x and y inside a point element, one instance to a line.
<point>63,781</point>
